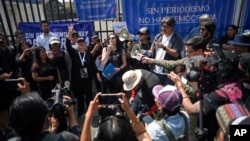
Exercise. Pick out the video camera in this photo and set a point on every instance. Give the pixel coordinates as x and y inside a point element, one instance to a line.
<point>209,72</point>
<point>58,98</point>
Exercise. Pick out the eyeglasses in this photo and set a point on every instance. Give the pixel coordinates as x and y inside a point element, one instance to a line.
<point>202,29</point>
<point>165,26</point>
<point>74,36</point>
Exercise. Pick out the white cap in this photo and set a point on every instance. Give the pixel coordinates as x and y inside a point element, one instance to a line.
<point>54,40</point>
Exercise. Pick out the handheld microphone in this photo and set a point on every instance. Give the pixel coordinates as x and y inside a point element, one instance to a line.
<point>67,85</point>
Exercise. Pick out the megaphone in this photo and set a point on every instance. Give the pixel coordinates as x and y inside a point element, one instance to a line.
<point>125,35</point>
<point>135,49</point>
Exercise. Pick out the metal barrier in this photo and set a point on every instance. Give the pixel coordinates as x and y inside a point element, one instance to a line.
<point>14,11</point>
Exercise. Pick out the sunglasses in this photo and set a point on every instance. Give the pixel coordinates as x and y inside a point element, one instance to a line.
<point>202,29</point>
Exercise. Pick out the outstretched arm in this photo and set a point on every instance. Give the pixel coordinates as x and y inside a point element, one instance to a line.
<point>92,109</point>
<point>139,128</point>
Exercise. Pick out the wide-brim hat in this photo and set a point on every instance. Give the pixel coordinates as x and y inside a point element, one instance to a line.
<point>130,79</point>
<point>168,96</point>
<point>241,40</point>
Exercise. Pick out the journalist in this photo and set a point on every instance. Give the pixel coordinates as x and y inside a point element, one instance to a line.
<point>114,128</point>
<point>194,46</point>
<point>224,91</point>
<point>28,114</point>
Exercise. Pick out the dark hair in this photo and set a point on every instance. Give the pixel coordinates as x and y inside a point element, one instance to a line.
<point>163,113</point>
<point>27,115</point>
<point>58,112</point>
<point>170,21</point>
<point>234,27</point>
<point>116,128</point>
<point>18,32</point>
<point>20,45</point>
<point>210,26</point>
<point>196,42</point>
<point>43,21</point>
<point>37,58</point>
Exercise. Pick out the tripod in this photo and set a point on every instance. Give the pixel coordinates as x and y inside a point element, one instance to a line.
<point>201,132</point>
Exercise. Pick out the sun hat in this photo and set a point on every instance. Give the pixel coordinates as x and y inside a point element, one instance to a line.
<point>130,79</point>
<point>169,97</point>
<point>54,40</point>
<point>242,39</point>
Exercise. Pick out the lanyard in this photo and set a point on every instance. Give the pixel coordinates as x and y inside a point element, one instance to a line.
<point>82,59</point>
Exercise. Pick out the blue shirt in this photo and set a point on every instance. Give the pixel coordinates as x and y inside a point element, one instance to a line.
<point>175,123</point>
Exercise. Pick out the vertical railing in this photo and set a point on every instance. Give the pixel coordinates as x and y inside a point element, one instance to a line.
<point>19,11</point>
<point>25,10</point>
<point>8,22</point>
<point>37,10</point>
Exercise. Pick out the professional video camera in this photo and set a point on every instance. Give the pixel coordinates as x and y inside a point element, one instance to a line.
<point>58,98</point>
<point>209,72</point>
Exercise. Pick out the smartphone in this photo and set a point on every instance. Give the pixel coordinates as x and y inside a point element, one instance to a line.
<point>12,82</point>
<point>109,99</point>
<point>147,119</point>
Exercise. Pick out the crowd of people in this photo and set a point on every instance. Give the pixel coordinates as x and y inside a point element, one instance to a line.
<point>165,81</point>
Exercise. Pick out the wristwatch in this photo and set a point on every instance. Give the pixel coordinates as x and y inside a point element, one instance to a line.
<point>164,48</point>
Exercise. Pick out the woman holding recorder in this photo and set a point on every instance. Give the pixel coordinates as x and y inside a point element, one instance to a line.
<point>114,128</point>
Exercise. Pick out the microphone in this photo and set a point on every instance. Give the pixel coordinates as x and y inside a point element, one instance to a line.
<point>67,85</point>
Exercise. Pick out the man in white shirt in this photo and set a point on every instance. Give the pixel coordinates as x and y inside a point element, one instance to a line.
<point>167,45</point>
<point>43,39</point>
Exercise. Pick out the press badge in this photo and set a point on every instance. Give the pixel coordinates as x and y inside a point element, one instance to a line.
<point>84,72</point>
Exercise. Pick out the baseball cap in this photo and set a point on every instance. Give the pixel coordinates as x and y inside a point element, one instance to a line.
<point>80,40</point>
<point>95,35</point>
<point>168,96</point>
<point>54,40</point>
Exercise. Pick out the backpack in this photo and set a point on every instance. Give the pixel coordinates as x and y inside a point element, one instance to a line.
<point>169,133</point>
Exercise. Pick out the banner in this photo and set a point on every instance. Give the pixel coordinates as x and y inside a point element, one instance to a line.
<point>90,10</point>
<point>149,13</point>
<point>33,30</point>
<point>246,18</point>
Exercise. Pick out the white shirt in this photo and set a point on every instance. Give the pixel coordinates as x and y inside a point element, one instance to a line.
<point>160,53</point>
<point>42,40</point>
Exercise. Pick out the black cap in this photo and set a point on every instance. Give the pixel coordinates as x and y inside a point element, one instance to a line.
<point>95,35</point>
<point>143,30</point>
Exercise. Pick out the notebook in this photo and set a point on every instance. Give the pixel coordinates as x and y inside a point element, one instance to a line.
<point>109,71</point>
